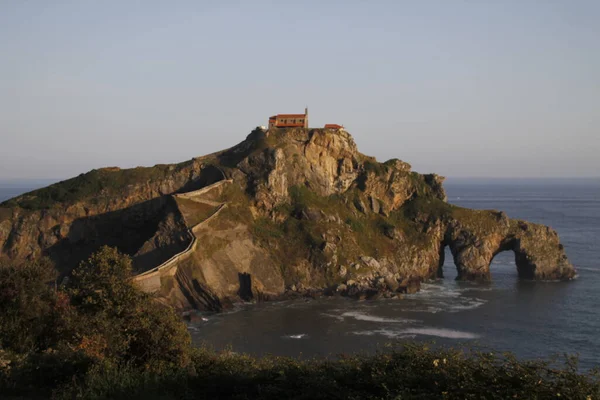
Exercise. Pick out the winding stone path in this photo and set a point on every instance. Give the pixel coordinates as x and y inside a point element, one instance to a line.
<point>149,281</point>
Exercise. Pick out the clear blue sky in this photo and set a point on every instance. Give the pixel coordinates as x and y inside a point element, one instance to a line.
<point>461,88</point>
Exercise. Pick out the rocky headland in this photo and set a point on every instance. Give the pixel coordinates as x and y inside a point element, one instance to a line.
<point>287,212</point>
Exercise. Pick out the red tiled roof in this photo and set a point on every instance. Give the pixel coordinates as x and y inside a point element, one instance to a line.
<point>333,126</point>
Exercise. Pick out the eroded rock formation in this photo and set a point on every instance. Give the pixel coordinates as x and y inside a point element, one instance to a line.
<point>306,212</point>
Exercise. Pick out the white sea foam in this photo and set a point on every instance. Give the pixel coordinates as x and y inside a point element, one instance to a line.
<point>297,336</point>
<point>436,291</point>
<point>440,332</point>
<point>468,304</point>
<point>372,318</point>
<point>338,317</point>
<point>427,309</point>
<point>412,332</point>
<point>387,333</point>
<point>477,289</point>
<point>440,298</point>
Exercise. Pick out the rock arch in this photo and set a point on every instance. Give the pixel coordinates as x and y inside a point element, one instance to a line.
<point>537,249</point>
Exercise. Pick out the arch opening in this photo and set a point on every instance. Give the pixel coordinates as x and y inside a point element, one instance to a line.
<point>502,265</point>
<point>447,268</point>
<point>478,263</point>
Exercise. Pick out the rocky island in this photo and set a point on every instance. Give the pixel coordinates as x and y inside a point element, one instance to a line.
<point>286,212</point>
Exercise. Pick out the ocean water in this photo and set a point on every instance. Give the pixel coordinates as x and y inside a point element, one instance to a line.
<point>530,319</point>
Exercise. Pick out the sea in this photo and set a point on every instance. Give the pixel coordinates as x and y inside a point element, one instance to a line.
<point>530,319</point>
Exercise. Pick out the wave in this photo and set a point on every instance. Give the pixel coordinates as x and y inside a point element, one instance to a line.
<point>467,305</point>
<point>431,290</point>
<point>427,309</point>
<point>372,318</point>
<point>296,336</point>
<point>338,317</point>
<point>477,289</point>
<point>387,333</point>
<point>441,332</point>
<point>438,298</point>
<point>412,332</point>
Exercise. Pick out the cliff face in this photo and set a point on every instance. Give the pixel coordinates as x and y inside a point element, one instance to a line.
<point>296,210</point>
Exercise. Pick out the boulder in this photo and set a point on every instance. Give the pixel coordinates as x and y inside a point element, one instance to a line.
<point>374,202</point>
<point>370,262</point>
<point>409,285</point>
<point>360,205</point>
<point>391,283</point>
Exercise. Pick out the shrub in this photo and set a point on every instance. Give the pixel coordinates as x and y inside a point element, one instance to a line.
<point>121,322</point>
<point>407,371</point>
<point>100,319</point>
<point>26,300</point>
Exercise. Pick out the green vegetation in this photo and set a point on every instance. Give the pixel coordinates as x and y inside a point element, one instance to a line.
<point>427,207</point>
<point>304,199</point>
<point>5,213</point>
<point>90,184</point>
<point>255,142</point>
<point>99,337</point>
<point>379,169</point>
<point>99,320</point>
<point>431,208</point>
<point>404,372</point>
<point>418,182</point>
<point>265,228</point>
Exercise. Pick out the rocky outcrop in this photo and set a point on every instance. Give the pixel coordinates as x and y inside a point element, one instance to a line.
<point>305,213</point>
<point>538,252</point>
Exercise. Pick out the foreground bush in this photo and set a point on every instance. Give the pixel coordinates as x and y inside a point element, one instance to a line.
<point>50,336</point>
<point>408,371</point>
<point>26,302</point>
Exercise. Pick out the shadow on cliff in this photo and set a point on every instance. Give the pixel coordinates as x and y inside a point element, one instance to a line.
<point>126,229</point>
<point>210,174</point>
<point>155,224</point>
<point>245,291</point>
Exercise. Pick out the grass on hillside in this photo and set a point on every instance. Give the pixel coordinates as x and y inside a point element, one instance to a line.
<point>91,184</point>
<point>5,213</point>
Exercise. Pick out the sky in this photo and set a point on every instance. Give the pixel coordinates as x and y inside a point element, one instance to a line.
<point>462,88</point>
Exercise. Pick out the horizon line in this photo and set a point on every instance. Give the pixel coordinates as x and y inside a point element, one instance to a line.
<point>462,177</point>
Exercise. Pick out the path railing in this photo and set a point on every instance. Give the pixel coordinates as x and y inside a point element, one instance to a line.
<point>189,232</point>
